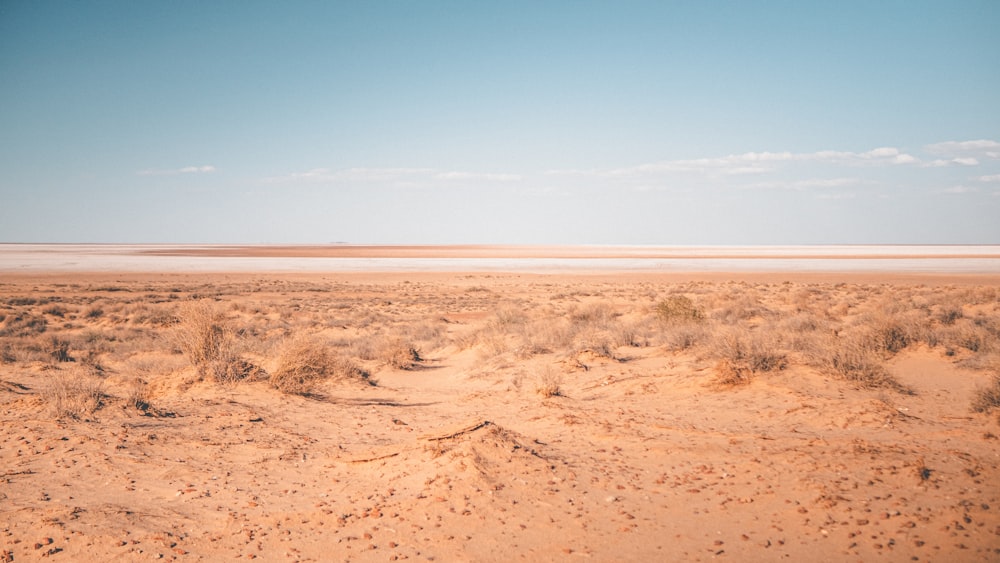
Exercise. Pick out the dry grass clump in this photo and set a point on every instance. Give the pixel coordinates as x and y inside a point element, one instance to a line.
<point>678,309</point>
<point>22,324</point>
<point>858,359</point>
<point>212,344</point>
<point>549,385</point>
<point>685,336</point>
<point>74,394</point>
<point>58,349</point>
<point>393,351</point>
<point>987,398</point>
<point>894,332</point>
<point>741,357</point>
<point>400,354</point>
<point>306,362</point>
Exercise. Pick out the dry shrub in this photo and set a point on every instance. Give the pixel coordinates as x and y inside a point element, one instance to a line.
<point>400,354</point>
<point>987,398</point>
<point>549,385</point>
<point>598,342</point>
<point>74,394</point>
<point>93,312</point>
<point>741,357</point>
<point>58,350</point>
<point>855,358</point>
<point>7,353</point>
<point>306,362</point>
<point>966,334</point>
<point>893,333</point>
<point>393,351</point>
<point>138,395</point>
<point>22,324</point>
<point>947,314</point>
<point>594,314</point>
<point>211,343</point>
<point>678,309</point>
<point>685,336</point>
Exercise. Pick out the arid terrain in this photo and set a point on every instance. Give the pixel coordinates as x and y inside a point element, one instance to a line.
<point>497,416</point>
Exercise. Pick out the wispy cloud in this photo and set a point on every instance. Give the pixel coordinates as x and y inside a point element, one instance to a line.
<point>960,161</point>
<point>475,176</point>
<point>751,163</point>
<point>807,184</point>
<point>989,178</point>
<point>204,169</point>
<point>960,190</point>
<point>395,176</point>
<point>982,147</point>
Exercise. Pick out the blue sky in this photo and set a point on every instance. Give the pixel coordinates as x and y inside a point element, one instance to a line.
<point>500,122</point>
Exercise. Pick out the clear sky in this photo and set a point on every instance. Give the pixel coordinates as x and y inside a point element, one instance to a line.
<point>429,122</point>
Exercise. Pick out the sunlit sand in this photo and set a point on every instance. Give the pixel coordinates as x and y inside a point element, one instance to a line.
<point>618,414</point>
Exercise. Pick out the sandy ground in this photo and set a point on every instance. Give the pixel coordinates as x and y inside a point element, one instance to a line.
<point>548,417</point>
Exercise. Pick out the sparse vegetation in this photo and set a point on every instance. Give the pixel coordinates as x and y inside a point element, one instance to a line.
<point>987,398</point>
<point>549,384</point>
<point>212,344</point>
<point>306,362</point>
<point>679,309</point>
<point>731,383</point>
<point>741,357</point>
<point>73,394</point>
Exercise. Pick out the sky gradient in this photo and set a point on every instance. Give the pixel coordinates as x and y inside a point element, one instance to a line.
<point>671,123</point>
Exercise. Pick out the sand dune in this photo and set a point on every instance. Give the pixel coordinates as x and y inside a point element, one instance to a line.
<point>492,417</point>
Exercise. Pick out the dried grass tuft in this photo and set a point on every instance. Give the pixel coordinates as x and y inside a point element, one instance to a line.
<point>549,385</point>
<point>306,362</point>
<point>74,394</point>
<point>741,357</point>
<point>207,337</point>
<point>679,309</point>
<point>987,398</point>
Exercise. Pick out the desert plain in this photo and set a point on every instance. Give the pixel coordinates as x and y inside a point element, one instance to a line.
<point>499,416</point>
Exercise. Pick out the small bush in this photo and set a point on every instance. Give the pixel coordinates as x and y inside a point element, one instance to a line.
<point>549,384</point>
<point>22,325</point>
<point>137,395</point>
<point>742,357</point>
<point>305,362</point>
<point>59,350</point>
<point>684,337</point>
<point>55,311</point>
<point>399,354</point>
<point>987,398</point>
<point>679,309</point>
<point>856,359</point>
<point>212,345</point>
<point>94,312</point>
<point>74,394</point>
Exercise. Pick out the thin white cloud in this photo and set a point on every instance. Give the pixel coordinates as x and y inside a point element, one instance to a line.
<point>399,177</point>
<point>327,175</point>
<point>990,178</point>
<point>750,163</point>
<point>982,147</point>
<point>204,169</point>
<point>959,190</point>
<point>941,163</point>
<point>847,195</point>
<point>476,176</point>
<point>197,169</point>
<point>807,184</point>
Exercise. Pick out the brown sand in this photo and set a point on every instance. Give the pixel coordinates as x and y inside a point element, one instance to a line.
<point>548,418</point>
